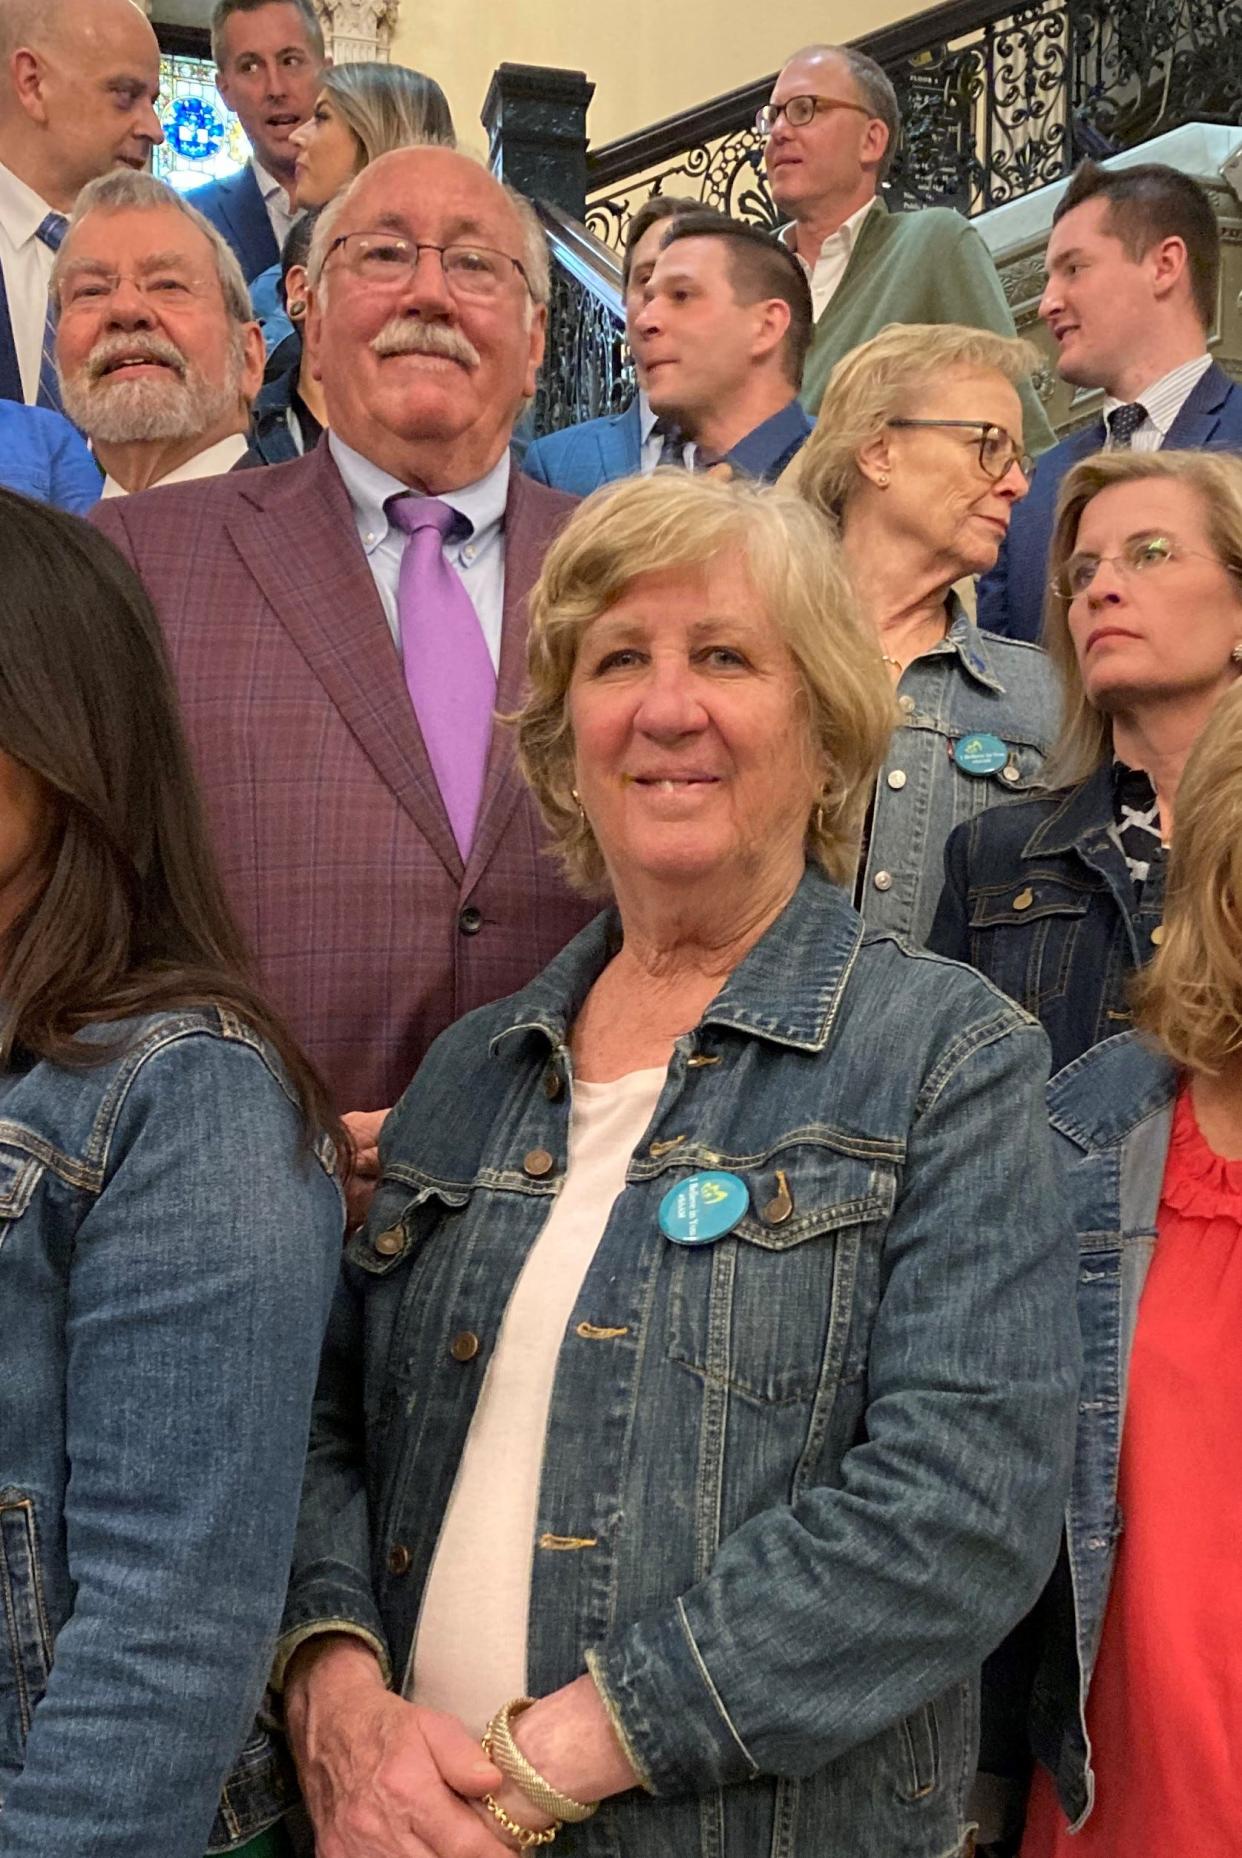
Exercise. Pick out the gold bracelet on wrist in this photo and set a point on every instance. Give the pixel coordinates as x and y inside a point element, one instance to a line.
<point>526,1836</point>
<point>500,1747</point>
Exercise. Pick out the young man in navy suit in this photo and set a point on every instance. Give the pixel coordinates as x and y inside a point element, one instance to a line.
<point>269,60</point>
<point>598,451</point>
<point>1133,267</point>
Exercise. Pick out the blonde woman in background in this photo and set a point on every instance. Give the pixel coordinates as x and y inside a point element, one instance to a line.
<point>1139,1689</point>
<point>916,461</point>
<point>1060,898</point>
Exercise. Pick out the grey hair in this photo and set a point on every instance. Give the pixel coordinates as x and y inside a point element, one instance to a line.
<point>535,261</point>
<point>875,87</point>
<point>224,10</point>
<point>125,189</point>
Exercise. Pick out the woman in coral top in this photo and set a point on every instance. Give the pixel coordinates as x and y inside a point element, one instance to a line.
<point>1139,1693</point>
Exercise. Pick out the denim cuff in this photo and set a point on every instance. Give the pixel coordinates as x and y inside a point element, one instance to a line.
<point>667,1709</point>
<point>325,1603</point>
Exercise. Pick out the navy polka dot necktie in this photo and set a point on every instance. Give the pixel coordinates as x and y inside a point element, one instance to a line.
<point>1124,422</point>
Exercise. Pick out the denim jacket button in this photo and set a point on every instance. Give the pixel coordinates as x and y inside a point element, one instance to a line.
<point>897,779</point>
<point>553,1083</point>
<point>538,1162</point>
<point>883,880</point>
<point>1024,899</point>
<point>389,1242</point>
<point>906,705</point>
<point>399,1559</point>
<point>464,1346</point>
<point>1157,934</point>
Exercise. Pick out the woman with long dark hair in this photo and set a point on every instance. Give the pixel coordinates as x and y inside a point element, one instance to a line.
<point>169,1232</point>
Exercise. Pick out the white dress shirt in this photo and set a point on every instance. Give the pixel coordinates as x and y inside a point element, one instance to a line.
<point>825,275</point>
<point>27,265</point>
<point>280,214</point>
<point>214,461</point>
<point>479,557</point>
<point>1163,401</point>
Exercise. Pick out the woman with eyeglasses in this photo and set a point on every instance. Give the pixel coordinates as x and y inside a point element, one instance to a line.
<point>916,460</point>
<point>1060,898</point>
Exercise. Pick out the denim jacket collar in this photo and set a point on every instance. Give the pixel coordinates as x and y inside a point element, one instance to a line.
<point>787,989</point>
<point>1138,1081</point>
<point>965,638</point>
<point>1085,810</point>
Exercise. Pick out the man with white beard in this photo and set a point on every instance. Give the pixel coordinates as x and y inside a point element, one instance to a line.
<point>158,355</point>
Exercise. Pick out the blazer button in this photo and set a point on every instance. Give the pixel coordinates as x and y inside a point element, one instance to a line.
<point>464,1346</point>
<point>389,1242</point>
<point>470,921</point>
<point>1024,899</point>
<point>538,1163</point>
<point>399,1559</point>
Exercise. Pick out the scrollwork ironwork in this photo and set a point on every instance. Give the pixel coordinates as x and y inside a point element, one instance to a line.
<point>586,370</point>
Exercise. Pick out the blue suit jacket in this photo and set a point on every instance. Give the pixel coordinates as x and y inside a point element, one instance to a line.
<point>581,458</point>
<point>599,451</point>
<point>1011,595</point>
<point>46,458</point>
<point>236,210</point>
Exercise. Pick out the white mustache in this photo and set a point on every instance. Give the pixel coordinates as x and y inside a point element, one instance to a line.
<point>403,335</point>
<point>110,348</point>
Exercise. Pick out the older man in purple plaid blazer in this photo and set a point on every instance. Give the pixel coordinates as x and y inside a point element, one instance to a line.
<point>344,627</point>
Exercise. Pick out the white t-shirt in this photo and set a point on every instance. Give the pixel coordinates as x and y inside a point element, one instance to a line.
<point>469,1653</point>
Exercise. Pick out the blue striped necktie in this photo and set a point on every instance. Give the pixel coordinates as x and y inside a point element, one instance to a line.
<point>52,231</point>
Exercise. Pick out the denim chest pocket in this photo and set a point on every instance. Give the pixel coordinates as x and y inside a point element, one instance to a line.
<point>783,1302</point>
<point>20,1174</point>
<point>1024,936</point>
<point>400,1220</point>
<point>975,793</point>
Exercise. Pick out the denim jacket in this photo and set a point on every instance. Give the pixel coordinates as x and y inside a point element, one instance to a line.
<point>1112,1113</point>
<point>971,683</point>
<point>795,1483</point>
<point>168,1248</point>
<point>1039,898</point>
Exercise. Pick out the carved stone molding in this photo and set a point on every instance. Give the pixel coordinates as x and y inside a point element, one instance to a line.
<point>357,30</point>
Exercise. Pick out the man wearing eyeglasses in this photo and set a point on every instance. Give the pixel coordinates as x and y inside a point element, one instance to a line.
<point>346,626</point>
<point>831,128</point>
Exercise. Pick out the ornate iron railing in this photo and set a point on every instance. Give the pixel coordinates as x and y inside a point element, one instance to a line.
<point>587,370</point>
<point>996,99</point>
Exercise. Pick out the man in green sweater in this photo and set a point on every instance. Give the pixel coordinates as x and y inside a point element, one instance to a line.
<point>831,126</point>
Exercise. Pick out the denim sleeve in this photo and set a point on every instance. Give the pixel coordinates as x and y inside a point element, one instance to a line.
<point>949,934</point>
<point>196,1300</point>
<point>330,1588</point>
<point>826,1620</point>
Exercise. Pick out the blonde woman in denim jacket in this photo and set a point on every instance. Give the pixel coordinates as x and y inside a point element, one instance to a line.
<point>916,460</point>
<point>169,1235</point>
<point>701,1371</point>
<point>1139,1687</point>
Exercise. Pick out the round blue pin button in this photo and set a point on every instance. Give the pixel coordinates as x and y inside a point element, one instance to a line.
<point>703,1207</point>
<point>980,754</point>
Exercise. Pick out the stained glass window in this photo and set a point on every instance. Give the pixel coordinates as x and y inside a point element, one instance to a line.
<point>203,140</point>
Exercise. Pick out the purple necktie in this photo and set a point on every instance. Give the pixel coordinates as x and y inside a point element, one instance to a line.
<point>448,668</point>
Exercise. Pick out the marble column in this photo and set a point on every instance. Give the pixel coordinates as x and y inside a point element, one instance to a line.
<point>357,30</point>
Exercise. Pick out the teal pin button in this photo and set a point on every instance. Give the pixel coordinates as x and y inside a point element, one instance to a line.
<point>703,1208</point>
<point>980,754</point>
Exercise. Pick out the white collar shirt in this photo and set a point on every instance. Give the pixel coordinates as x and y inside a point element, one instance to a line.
<point>825,275</point>
<point>27,266</point>
<point>213,461</point>
<point>280,215</point>
<point>478,556</point>
<point>1162,402</point>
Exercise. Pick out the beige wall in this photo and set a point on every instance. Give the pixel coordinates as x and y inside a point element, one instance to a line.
<point>648,59</point>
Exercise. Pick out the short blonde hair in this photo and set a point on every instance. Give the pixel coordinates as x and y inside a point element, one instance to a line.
<point>1190,999</point>
<point>880,380</point>
<point>672,520</point>
<point>1086,736</point>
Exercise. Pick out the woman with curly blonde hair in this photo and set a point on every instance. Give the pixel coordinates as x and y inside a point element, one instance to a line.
<point>1149,1126</point>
